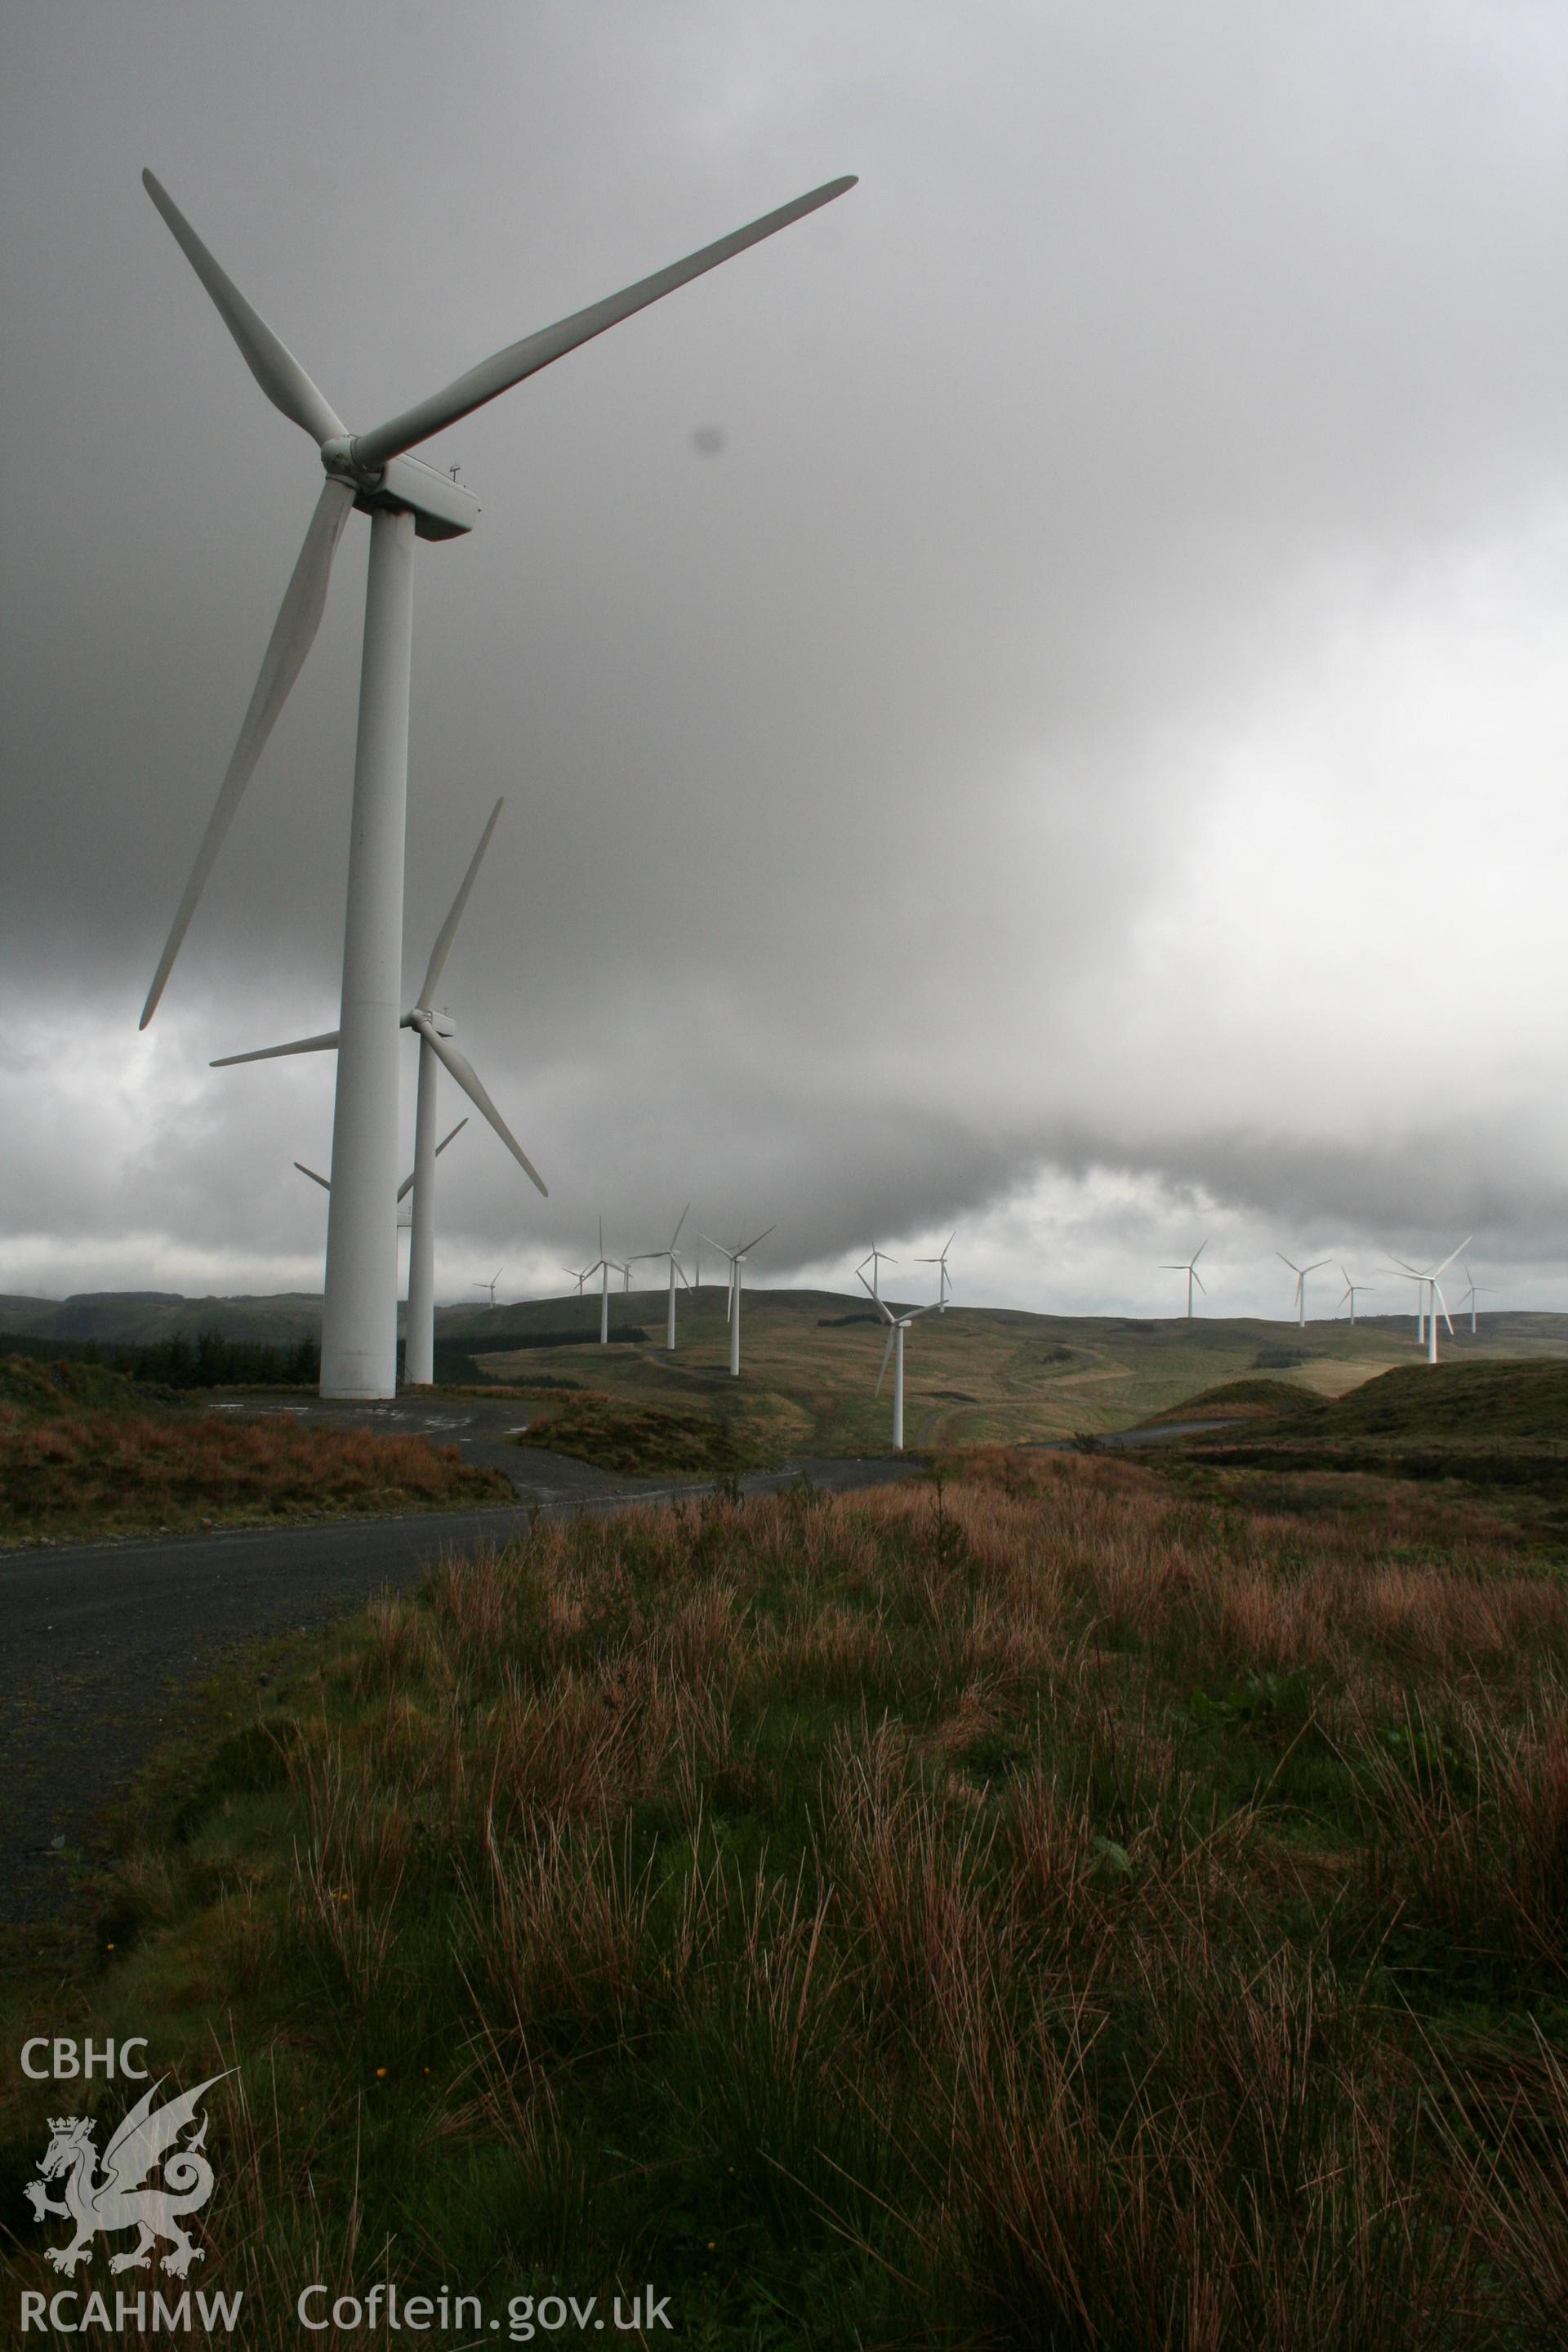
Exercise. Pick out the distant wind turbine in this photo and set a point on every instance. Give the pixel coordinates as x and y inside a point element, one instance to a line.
<point>405,500</point>
<point>1431,1291</point>
<point>737,1258</point>
<point>1301,1273</point>
<point>579,1278</point>
<point>675,1268</point>
<point>895,1348</point>
<point>1349,1291</point>
<point>1189,1266</point>
<point>604,1266</point>
<point>873,1258</point>
<point>943,1285</point>
<point>1476,1290</point>
<point>436,1033</point>
<point>491,1286</point>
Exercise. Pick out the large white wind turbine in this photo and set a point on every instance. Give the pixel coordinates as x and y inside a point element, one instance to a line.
<point>404,499</point>
<point>675,1268</point>
<point>737,1258</point>
<point>1349,1291</point>
<point>1430,1291</point>
<point>1189,1266</point>
<point>895,1348</point>
<point>1301,1273</point>
<point>943,1285</point>
<point>436,1033</point>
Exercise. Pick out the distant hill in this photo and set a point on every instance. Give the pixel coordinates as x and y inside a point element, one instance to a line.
<point>810,1357</point>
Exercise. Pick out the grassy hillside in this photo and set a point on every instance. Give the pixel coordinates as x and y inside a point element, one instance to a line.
<point>973,1376</point>
<point>1037,1911</point>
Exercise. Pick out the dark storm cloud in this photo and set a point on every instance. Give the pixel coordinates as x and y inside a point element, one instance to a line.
<point>839,752</point>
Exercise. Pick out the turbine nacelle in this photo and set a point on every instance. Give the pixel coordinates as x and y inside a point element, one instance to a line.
<point>440,509</point>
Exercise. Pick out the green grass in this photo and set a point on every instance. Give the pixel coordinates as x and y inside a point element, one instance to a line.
<point>1036,1908</point>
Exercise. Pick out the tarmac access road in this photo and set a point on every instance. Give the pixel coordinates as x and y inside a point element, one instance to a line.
<point>101,1639</point>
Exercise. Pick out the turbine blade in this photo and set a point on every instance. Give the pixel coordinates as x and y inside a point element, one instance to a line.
<point>293,632</point>
<point>1200,1249</point>
<point>1453,1253</point>
<point>445,1140</point>
<point>310,1173</point>
<point>511,367</point>
<point>270,361</point>
<point>681,1220</point>
<point>755,1239</point>
<point>448,931</point>
<point>1198,1278</point>
<point>873,1297</point>
<point>324,1043</point>
<point>407,1186</point>
<point>468,1079</point>
<point>1287,1261</point>
<point>886,1353</point>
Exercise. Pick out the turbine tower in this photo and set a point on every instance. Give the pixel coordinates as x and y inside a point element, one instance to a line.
<point>943,1285</point>
<point>895,1348</point>
<point>405,500</point>
<point>1349,1291</point>
<point>1189,1266</point>
<point>1301,1273</point>
<point>737,1258</point>
<point>436,1033</point>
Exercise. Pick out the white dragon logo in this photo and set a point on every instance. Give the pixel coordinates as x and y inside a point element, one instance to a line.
<point>121,2200</point>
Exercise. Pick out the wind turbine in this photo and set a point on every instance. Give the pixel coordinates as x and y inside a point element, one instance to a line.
<point>1189,1266</point>
<point>873,1258</point>
<point>737,1258</point>
<point>943,1285</point>
<point>895,1348</point>
<point>436,1033</point>
<point>1476,1290</point>
<point>1426,1277</point>
<point>573,1275</point>
<point>1301,1273</point>
<point>404,499</point>
<point>1350,1292</point>
<point>674,1267</point>
<point>491,1286</point>
<point>603,1267</point>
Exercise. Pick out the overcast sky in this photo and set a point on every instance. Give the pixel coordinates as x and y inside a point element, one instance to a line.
<point>1035,701</point>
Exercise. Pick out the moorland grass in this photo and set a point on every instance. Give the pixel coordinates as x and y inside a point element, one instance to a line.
<point>1035,1909</point>
<point>646,1440</point>
<point>86,1452</point>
